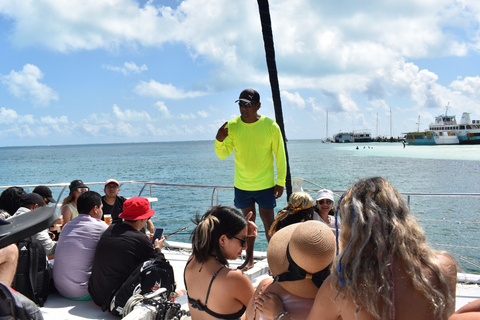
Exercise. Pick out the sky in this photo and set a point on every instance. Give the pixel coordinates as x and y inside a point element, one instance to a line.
<point>121,71</point>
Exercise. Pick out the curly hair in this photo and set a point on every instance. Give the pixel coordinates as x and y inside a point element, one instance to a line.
<point>218,221</point>
<point>299,208</point>
<point>376,229</point>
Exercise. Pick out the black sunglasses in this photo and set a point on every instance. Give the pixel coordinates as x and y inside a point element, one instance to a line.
<point>245,104</point>
<point>242,241</point>
<point>329,202</point>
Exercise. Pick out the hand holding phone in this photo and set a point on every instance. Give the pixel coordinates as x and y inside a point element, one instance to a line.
<point>158,234</point>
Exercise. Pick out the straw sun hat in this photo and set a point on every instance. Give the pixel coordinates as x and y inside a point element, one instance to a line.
<point>299,255</point>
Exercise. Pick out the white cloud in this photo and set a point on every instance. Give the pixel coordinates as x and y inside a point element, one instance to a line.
<point>130,115</point>
<point>156,131</point>
<point>160,106</point>
<point>7,116</point>
<point>189,116</point>
<point>25,84</point>
<point>202,113</point>
<point>469,86</point>
<point>128,68</point>
<point>155,89</point>
<point>54,121</point>
<point>294,99</point>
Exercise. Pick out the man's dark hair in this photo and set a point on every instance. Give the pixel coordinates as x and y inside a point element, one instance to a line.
<point>87,201</point>
<point>10,199</point>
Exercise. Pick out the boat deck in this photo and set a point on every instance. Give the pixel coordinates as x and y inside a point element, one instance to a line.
<point>57,307</point>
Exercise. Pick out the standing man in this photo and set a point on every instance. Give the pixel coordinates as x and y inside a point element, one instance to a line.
<point>255,139</point>
<point>76,248</point>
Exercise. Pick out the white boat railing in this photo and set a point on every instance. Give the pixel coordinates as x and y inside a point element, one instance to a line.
<point>297,183</point>
<point>215,198</point>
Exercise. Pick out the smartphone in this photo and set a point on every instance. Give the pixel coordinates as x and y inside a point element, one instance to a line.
<point>158,234</point>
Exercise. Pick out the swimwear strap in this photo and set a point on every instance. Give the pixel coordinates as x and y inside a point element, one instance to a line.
<point>295,272</point>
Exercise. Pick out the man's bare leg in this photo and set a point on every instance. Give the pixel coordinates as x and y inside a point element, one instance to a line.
<point>248,264</point>
<point>8,264</point>
<point>268,217</point>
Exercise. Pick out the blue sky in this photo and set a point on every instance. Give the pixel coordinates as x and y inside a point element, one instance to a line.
<point>97,71</point>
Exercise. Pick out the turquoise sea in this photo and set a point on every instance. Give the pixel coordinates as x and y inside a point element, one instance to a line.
<point>451,223</point>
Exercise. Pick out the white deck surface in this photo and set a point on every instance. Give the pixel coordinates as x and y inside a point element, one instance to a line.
<point>59,308</point>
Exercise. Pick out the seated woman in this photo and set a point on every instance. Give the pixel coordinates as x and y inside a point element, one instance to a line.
<point>299,208</point>
<point>299,256</point>
<point>385,269</point>
<point>69,206</point>
<point>324,208</point>
<point>213,289</point>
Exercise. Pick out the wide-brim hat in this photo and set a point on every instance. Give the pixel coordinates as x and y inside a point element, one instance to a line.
<point>311,246</point>
<point>75,184</point>
<point>136,208</point>
<point>325,194</point>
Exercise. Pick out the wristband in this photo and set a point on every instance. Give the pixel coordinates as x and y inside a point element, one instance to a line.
<point>281,314</point>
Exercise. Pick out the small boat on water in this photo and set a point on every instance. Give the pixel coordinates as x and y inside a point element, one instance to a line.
<point>423,138</point>
<point>343,137</point>
<point>446,130</point>
<point>362,135</point>
<point>57,307</point>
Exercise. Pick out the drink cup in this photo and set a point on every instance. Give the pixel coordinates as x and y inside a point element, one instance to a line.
<point>108,219</point>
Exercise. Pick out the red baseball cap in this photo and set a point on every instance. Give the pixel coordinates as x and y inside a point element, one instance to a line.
<point>136,208</point>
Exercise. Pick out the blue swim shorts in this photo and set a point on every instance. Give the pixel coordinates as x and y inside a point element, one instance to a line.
<point>265,198</point>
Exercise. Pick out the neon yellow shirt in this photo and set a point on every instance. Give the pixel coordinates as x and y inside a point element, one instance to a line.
<point>254,144</point>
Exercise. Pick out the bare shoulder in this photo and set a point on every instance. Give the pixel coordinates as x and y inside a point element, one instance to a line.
<point>237,276</point>
<point>243,287</point>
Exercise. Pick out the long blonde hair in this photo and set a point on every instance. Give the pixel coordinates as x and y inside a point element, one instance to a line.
<point>376,229</point>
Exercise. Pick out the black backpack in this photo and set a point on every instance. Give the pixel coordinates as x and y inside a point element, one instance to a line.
<point>15,306</point>
<point>33,276</point>
<point>149,276</point>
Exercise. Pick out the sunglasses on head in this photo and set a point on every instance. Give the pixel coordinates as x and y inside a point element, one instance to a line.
<point>242,241</point>
<point>245,104</point>
<point>321,202</point>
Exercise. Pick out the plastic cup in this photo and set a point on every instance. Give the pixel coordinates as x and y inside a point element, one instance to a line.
<point>108,219</point>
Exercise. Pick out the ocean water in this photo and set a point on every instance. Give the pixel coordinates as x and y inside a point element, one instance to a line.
<point>451,223</point>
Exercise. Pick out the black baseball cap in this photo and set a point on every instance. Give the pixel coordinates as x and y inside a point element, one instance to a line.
<point>31,198</point>
<point>249,95</point>
<point>45,192</point>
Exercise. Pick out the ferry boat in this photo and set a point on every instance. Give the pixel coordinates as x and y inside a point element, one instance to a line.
<point>446,130</point>
<point>57,307</point>
<point>343,137</point>
<point>420,138</point>
<point>362,135</point>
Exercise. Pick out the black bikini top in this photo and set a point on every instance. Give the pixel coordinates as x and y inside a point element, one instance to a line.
<point>196,304</point>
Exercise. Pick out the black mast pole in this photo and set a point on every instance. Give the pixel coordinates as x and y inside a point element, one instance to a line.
<point>264,10</point>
